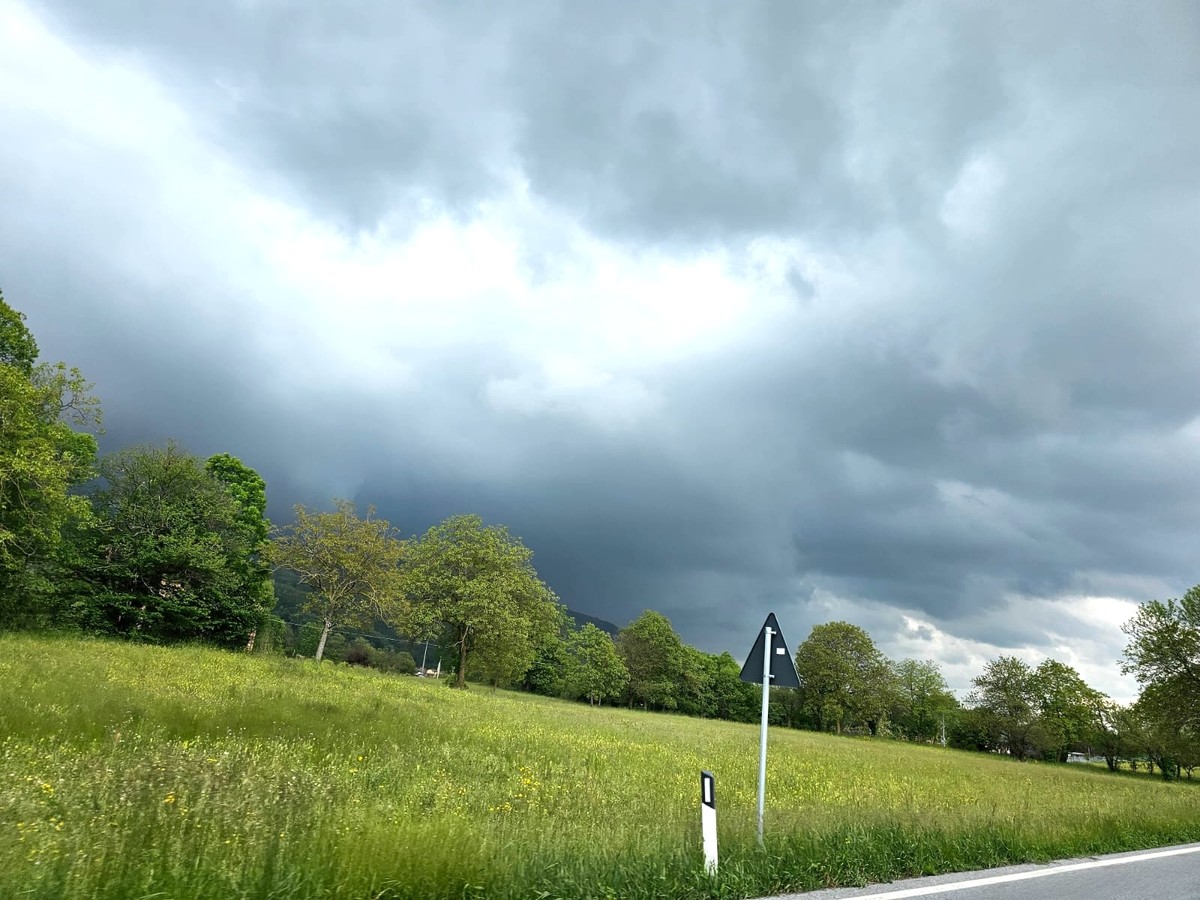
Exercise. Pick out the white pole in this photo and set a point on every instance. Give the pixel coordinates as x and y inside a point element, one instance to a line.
<point>708,821</point>
<point>762,751</point>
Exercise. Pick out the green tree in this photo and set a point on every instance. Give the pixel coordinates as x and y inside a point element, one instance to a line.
<point>697,695</point>
<point>1164,653</point>
<point>18,349</point>
<point>1067,709</point>
<point>547,674</point>
<point>249,492</point>
<point>844,679</point>
<point>654,657</point>
<point>351,564</point>
<point>923,702</point>
<point>504,655</point>
<point>594,670</point>
<point>1110,732</point>
<point>734,699</point>
<point>165,555</point>
<point>42,457</point>
<point>1007,696</point>
<point>475,585</point>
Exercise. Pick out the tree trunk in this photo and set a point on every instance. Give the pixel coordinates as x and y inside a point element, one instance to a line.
<point>324,637</point>
<point>462,660</point>
<point>250,643</point>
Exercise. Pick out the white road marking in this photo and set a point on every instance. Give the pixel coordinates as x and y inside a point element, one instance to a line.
<point>1024,876</point>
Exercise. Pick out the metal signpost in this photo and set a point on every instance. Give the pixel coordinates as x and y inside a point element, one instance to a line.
<point>770,662</point>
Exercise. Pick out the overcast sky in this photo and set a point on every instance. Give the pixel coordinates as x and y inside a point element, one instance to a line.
<point>876,312</point>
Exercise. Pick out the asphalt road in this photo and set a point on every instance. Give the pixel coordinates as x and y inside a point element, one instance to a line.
<point>1172,873</point>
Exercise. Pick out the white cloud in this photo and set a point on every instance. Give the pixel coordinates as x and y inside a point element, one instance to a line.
<point>966,207</point>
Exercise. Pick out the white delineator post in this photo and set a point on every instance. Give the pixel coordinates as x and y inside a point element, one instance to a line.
<point>708,820</point>
<point>762,751</point>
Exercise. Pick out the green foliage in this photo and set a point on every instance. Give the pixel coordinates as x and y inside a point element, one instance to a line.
<point>165,557</point>
<point>923,702</point>
<point>474,585</point>
<point>594,668</point>
<point>42,457</point>
<point>141,771</point>
<point>733,699</point>
<point>1164,654</point>
<point>249,492</point>
<point>1067,710</point>
<point>654,657</point>
<point>351,564</point>
<point>362,652</point>
<point>398,661</point>
<point>546,675</point>
<point>307,639</point>
<point>271,636</point>
<point>844,680</point>
<point>18,349</point>
<point>1007,695</point>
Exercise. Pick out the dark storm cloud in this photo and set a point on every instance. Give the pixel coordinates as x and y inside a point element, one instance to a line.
<point>662,121</point>
<point>1000,406</point>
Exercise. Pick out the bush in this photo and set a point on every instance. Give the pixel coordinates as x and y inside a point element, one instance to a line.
<point>272,636</point>
<point>361,653</point>
<point>396,661</point>
<point>307,640</point>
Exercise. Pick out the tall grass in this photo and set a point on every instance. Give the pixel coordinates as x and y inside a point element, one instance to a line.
<point>134,771</point>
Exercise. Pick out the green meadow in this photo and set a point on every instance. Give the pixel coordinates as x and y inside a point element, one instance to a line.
<point>137,771</point>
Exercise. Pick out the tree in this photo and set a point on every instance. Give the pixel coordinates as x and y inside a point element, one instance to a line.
<point>1164,653</point>
<point>1007,696</point>
<point>594,669</point>
<point>249,493</point>
<point>504,655</point>
<point>1112,732</point>
<point>18,349</point>
<point>546,675</point>
<point>733,699</point>
<point>475,585</point>
<point>844,679</point>
<point>165,556</point>
<point>351,564</point>
<point>42,457</point>
<point>1067,709</point>
<point>653,654</point>
<point>922,700</point>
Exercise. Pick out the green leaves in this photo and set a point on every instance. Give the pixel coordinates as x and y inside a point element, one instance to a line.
<point>18,349</point>
<point>169,554</point>
<point>594,668</point>
<point>844,678</point>
<point>352,565</point>
<point>1164,655</point>
<point>41,459</point>
<point>654,655</point>
<point>474,585</point>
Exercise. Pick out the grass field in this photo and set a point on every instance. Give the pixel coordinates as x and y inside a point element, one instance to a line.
<point>130,771</point>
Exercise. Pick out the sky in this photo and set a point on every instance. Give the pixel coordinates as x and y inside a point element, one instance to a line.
<point>875,312</point>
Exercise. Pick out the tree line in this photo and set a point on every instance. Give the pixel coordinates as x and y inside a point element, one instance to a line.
<point>155,544</point>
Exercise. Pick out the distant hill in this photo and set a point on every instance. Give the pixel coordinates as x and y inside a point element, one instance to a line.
<point>582,619</point>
